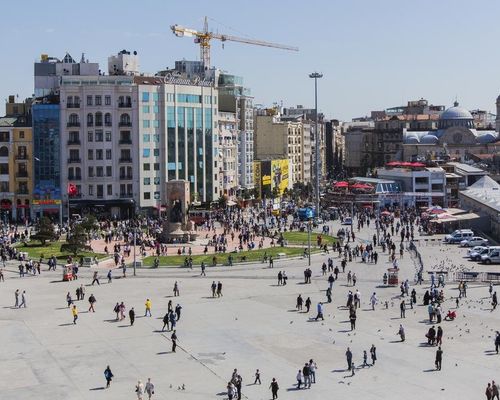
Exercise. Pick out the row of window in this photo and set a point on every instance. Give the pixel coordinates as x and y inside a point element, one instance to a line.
<point>74,101</point>
<point>147,152</point>
<point>74,119</point>
<point>126,190</point>
<point>181,98</point>
<point>156,181</point>
<point>98,136</point>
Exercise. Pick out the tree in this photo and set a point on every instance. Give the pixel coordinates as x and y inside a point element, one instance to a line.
<point>76,241</point>
<point>44,231</point>
<point>89,224</point>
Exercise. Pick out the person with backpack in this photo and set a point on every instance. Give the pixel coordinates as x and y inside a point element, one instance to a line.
<point>274,388</point>
<point>92,301</point>
<point>108,375</point>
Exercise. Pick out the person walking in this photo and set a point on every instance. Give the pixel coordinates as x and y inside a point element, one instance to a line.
<point>274,388</point>
<point>402,308</point>
<point>489,392</point>
<point>401,333</point>
<point>373,354</point>
<point>203,269</point>
<point>495,391</point>
<point>92,301</point>
<point>320,312</point>
<point>131,315</point>
<point>16,296</point>
<point>494,301</point>
<point>23,299</point>
<point>178,310</point>
<point>352,318</point>
<point>257,378</point>
<point>313,367</point>
<point>74,312</point>
<point>348,355</point>
<point>373,300</point>
<point>108,375</point>
<point>110,277</point>
<point>306,372</point>
<point>299,379</point>
<point>439,358</point>
<point>96,278</point>
<point>176,289</point>
<point>148,308</point>
<point>82,292</point>
<point>149,388</point>
<point>308,304</point>
<point>173,337</point>
<point>299,303</point>
<point>165,320</point>
<point>139,390</point>
<point>219,289</point>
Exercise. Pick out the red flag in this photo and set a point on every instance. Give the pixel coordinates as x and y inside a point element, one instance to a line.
<point>72,190</point>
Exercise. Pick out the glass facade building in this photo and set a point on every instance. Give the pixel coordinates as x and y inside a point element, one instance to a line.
<point>47,161</point>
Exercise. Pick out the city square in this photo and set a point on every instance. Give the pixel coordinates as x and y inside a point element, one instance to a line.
<point>254,325</point>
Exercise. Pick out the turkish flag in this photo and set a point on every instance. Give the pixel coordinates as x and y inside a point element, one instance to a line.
<point>72,190</point>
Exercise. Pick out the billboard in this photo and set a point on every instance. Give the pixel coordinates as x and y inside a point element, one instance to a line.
<point>279,175</point>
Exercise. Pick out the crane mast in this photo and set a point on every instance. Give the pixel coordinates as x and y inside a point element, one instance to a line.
<point>204,37</point>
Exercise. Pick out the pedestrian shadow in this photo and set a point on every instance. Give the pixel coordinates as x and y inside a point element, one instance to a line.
<point>110,320</point>
<point>209,297</point>
<point>98,388</point>
<point>395,341</point>
<point>490,352</point>
<point>62,308</point>
<point>56,281</point>
<point>293,389</point>
<point>68,324</point>
<point>429,370</point>
<point>161,353</point>
<point>294,310</point>
<point>344,331</point>
<point>275,285</point>
<point>339,370</point>
<point>123,326</point>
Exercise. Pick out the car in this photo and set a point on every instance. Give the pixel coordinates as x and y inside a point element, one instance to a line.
<point>475,249</point>
<point>475,255</point>
<point>458,236</point>
<point>474,241</point>
<point>347,221</point>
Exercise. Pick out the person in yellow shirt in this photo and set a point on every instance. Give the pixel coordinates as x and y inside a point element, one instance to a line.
<point>74,312</point>
<point>148,308</point>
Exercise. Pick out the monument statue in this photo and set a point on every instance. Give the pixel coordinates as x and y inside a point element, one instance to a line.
<point>176,212</point>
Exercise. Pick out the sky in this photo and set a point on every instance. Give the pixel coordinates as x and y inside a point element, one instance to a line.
<point>373,54</point>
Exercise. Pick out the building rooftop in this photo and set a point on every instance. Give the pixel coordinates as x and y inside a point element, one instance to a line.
<point>485,191</point>
<point>467,168</point>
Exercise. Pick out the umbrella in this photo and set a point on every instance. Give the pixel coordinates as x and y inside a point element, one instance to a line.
<point>341,184</point>
<point>393,163</point>
<point>445,216</point>
<point>384,213</point>
<point>418,164</point>
<point>361,186</point>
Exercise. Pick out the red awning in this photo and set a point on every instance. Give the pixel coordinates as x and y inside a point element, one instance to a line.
<point>341,184</point>
<point>361,186</point>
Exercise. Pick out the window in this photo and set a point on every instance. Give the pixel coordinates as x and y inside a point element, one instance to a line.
<point>155,96</point>
<point>107,119</point>
<point>145,97</point>
<point>107,100</point>
<point>156,166</point>
<point>69,101</point>
<point>21,135</point>
<point>156,109</point>
<point>98,154</point>
<point>189,98</point>
<point>100,191</point>
<point>74,155</point>
<point>4,187</point>
<point>98,100</point>
<point>109,170</point>
<point>146,138</point>
<point>156,138</point>
<point>89,100</point>
<point>98,136</point>
<point>147,181</point>
<point>147,195</point>
<point>145,167</point>
<point>108,154</point>
<point>125,120</point>
<point>156,123</point>
<point>145,109</point>
<point>156,152</point>
<point>90,119</point>
<point>90,136</point>
<point>146,152</point>
<point>91,190</point>
<point>108,136</point>
<point>156,180</point>
<point>170,97</point>
<point>99,172</point>
<point>145,123</point>
<point>157,195</point>
<point>109,190</point>
<point>91,172</point>
<point>98,119</point>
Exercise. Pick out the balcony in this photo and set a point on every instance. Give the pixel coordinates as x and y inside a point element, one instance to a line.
<point>22,174</point>
<point>98,123</point>
<point>125,159</point>
<point>73,124</point>
<point>126,177</point>
<point>108,124</point>
<point>76,196</point>
<point>73,105</point>
<point>74,160</point>
<point>74,142</point>
<point>125,105</point>
<point>125,123</point>
<point>125,141</point>
<point>126,195</point>
<point>23,192</point>
<point>22,157</point>
<point>74,178</point>
<point>90,123</point>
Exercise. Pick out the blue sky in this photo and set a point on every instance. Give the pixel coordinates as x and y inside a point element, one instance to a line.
<point>373,54</point>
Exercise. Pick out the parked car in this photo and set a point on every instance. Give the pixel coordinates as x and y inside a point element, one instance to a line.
<point>493,257</point>
<point>458,236</point>
<point>474,241</point>
<point>478,251</point>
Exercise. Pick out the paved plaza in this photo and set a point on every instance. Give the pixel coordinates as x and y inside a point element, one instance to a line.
<point>254,325</point>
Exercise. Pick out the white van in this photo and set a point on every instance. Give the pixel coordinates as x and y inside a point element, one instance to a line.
<point>459,235</point>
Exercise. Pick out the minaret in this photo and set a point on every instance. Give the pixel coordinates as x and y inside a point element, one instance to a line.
<point>497,119</point>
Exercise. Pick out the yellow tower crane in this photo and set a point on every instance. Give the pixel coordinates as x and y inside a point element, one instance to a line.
<point>203,39</point>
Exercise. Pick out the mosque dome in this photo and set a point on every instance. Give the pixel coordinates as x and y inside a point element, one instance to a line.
<point>456,116</point>
<point>413,139</point>
<point>486,138</point>
<point>429,139</point>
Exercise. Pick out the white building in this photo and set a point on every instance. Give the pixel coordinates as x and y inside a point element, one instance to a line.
<point>228,154</point>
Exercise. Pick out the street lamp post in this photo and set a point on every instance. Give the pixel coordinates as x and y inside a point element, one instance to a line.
<point>316,76</point>
<point>135,240</point>
<point>309,242</point>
